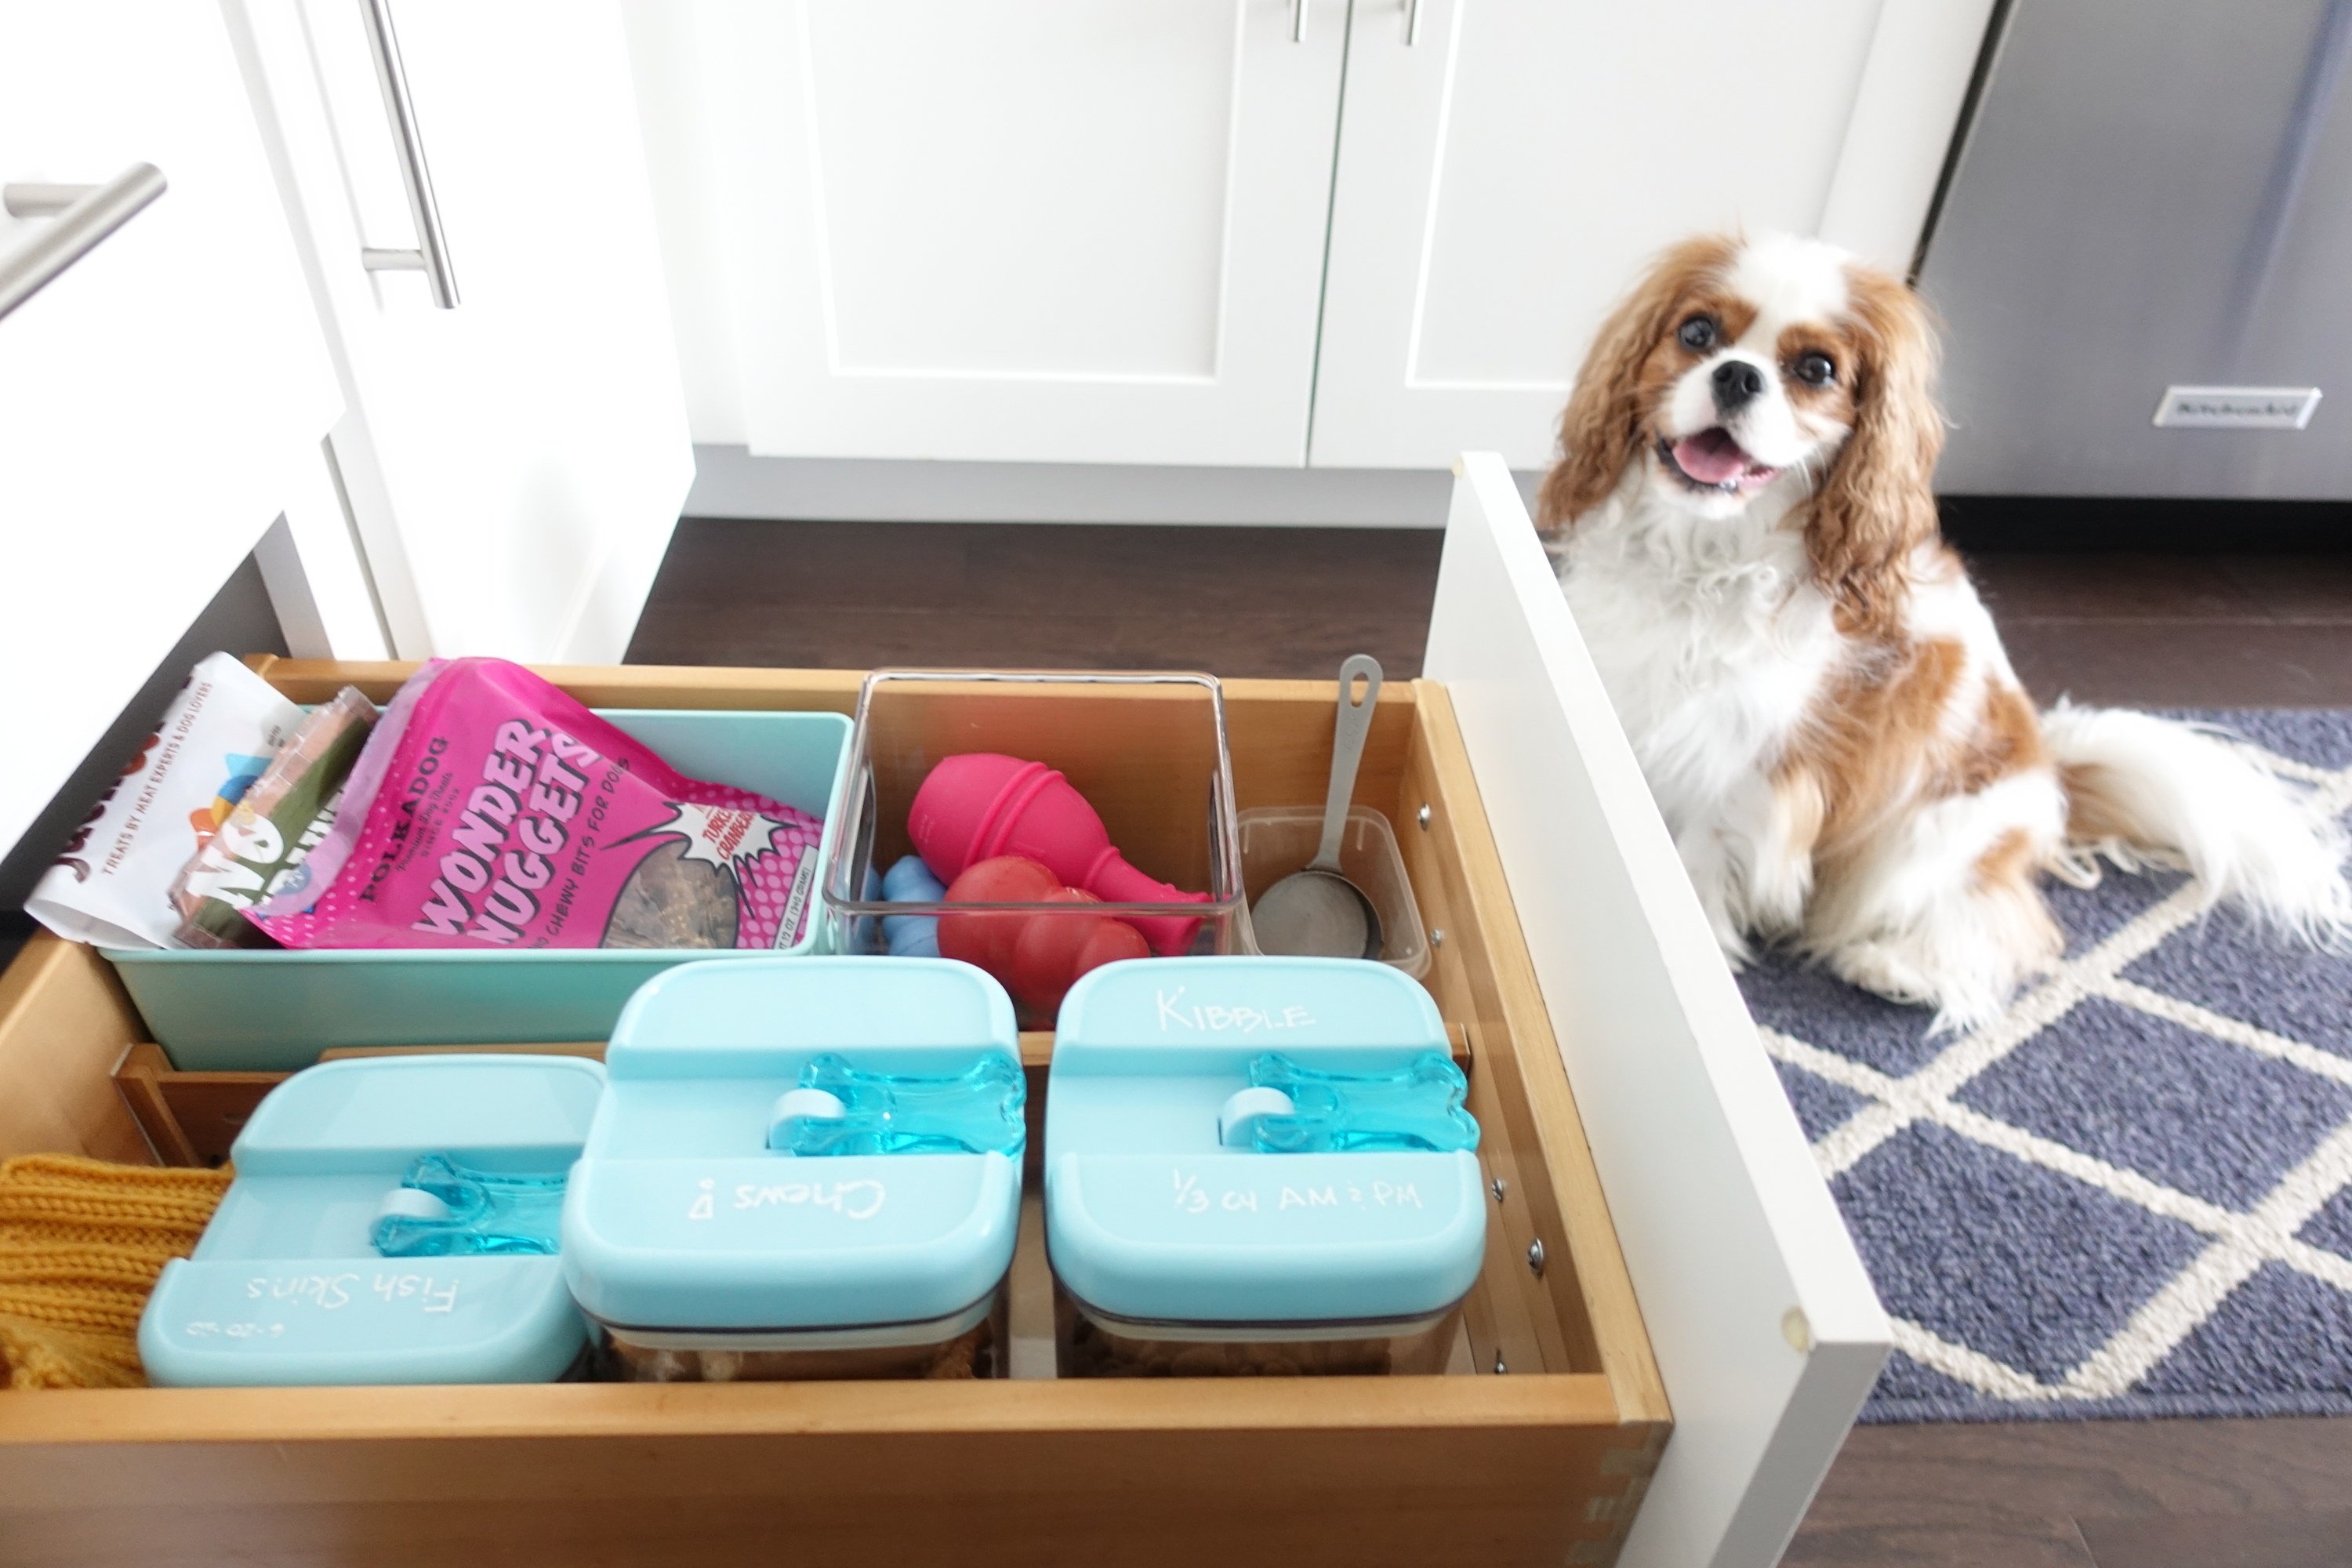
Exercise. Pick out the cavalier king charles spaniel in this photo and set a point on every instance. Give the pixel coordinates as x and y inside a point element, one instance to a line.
<point>1745,526</point>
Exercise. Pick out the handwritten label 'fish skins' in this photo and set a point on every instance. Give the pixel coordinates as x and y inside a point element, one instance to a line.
<point>285,1288</point>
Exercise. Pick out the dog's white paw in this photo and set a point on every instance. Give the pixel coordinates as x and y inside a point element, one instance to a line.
<point>1963,998</point>
<point>1886,971</point>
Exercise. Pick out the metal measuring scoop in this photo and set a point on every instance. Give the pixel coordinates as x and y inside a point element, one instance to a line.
<point>1317,912</point>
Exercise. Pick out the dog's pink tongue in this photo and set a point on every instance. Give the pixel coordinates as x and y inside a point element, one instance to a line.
<point>1711,456</point>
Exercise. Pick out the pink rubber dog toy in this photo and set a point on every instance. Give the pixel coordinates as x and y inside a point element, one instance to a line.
<point>979,805</point>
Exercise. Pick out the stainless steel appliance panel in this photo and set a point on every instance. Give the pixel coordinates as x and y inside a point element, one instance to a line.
<point>2154,193</point>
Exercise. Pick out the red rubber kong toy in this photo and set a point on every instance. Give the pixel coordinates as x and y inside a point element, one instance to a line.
<point>979,805</point>
<point>1049,956</point>
<point>1036,957</point>
<point>987,940</point>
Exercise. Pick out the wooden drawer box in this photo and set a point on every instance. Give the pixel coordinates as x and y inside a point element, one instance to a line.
<point>1538,1453</point>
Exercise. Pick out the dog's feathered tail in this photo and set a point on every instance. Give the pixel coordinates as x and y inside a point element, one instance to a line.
<point>2138,787</point>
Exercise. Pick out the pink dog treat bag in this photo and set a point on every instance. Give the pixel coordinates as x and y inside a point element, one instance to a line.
<point>505,814</point>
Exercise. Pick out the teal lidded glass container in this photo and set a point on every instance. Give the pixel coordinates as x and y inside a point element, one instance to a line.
<point>803,1168</point>
<point>1257,1166</point>
<point>393,1221</point>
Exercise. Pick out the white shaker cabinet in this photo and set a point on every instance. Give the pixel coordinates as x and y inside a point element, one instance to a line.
<point>1034,230</point>
<point>1505,170</point>
<point>515,449</point>
<point>1060,231</point>
<point>163,397</point>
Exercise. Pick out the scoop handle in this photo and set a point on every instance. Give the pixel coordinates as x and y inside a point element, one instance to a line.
<point>1347,750</point>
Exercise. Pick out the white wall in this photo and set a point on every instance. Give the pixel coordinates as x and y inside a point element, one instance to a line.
<point>730,482</point>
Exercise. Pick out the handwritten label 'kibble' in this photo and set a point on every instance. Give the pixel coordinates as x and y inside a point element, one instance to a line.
<point>1212,1019</point>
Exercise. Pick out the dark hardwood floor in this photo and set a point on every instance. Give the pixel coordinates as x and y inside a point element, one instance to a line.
<point>2197,631</point>
<point>854,595</point>
<point>2158,630</point>
<point>2088,1494</point>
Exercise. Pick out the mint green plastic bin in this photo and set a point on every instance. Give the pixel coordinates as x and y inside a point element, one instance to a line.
<point>276,1011</point>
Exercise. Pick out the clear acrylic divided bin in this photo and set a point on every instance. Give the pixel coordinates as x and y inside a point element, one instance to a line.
<point>1279,839</point>
<point>1148,751</point>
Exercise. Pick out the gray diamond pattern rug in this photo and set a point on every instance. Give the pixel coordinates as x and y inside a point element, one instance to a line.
<point>2131,1196</point>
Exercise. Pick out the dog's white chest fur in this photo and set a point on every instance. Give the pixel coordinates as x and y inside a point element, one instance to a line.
<point>1709,637</point>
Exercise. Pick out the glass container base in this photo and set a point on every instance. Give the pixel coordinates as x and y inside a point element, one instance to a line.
<point>1088,1343</point>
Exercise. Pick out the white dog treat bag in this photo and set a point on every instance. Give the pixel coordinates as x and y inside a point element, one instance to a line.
<point>112,883</point>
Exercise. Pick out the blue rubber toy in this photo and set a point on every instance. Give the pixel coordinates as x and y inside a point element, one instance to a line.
<point>911,882</point>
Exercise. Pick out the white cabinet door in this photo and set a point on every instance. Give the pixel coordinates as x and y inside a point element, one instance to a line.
<point>1765,1327</point>
<point>515,463</point>
<point>1503,177</point>
<point>1042,230</point>
<point>159,398</point>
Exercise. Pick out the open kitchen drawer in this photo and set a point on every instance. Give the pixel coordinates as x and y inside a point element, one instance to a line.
<point>1612,1070</point>
<point>1547,1457</point>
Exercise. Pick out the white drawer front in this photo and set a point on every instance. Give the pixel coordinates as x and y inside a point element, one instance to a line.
<point>157,396</point>
<point>514,463</point>
<point>1766,1328</point>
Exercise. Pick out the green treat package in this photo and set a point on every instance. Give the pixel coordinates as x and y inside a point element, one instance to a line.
<point>256,848</point>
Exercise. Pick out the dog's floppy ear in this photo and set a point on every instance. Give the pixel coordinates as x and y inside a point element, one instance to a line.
<point>1600,429</point>
<point>1878,500</point>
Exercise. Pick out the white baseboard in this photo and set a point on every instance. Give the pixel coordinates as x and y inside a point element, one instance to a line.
<point>730,482</point>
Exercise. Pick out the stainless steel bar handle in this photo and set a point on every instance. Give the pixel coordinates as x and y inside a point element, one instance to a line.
<point>85,215</point>
<point>1298,21</point>
<point>1411,22</point>
<point>431,256</point>
<point>31,199</point>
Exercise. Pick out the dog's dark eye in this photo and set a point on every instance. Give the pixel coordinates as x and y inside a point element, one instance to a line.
<point>1815,369</point>
<point>1697,334</point>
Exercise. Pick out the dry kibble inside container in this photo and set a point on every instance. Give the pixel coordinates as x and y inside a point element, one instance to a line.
<point>1257,1167</point>
<point>803,1168</point>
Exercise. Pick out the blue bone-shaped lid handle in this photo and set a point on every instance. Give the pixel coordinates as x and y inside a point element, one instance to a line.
<point>443,1209</point>
<point>1292,1109</point>
<point>838,1110</point>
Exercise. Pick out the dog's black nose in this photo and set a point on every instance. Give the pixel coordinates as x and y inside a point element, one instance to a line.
<point>1736,384</point>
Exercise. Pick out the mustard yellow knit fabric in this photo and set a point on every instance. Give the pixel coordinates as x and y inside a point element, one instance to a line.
<point>81,1244</point>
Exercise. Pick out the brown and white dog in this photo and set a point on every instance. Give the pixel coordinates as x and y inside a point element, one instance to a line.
<point>1745,531</point>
